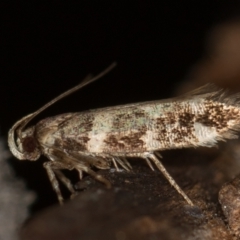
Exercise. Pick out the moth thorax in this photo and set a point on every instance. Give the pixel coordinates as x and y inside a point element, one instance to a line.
<point>28,145</point>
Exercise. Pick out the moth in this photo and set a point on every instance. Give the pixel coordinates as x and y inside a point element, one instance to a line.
<point>110,136</point>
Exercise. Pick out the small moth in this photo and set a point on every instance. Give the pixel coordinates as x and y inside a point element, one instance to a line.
<point>101,137</point>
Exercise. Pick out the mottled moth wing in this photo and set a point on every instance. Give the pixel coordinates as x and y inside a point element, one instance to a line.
<point>199,118</point>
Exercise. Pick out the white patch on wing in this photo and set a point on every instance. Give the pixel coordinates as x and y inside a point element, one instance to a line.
<point>96,142</point>
<point>206,135</point>
<point>149,140</point>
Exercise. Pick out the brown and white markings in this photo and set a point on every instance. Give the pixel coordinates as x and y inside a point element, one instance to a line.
<point>98,138</point>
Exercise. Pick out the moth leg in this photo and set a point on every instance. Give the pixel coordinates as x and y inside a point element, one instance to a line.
<point>123,164</point>
<point>80,174</point>
<point>149,163</point>
<point>168,176</point>
<point>115,164</point>
<point>51,175</point>
<point>94,174</point>
<point>126,162</point>
<point>66,182</point>
<point>158,154</point>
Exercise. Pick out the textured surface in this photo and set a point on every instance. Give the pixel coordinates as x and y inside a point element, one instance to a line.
<point>229,197</point>
<point>142,204</point>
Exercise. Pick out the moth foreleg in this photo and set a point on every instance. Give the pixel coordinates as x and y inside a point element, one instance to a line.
<point>51,175</point>
<point>66,182</point>
<point>160,166</point>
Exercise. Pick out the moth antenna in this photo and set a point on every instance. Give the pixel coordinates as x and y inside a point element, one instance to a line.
<point>85,82</point>
<point>20,125</point>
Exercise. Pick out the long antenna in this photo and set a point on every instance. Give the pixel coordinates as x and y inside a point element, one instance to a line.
<point>68,92</point>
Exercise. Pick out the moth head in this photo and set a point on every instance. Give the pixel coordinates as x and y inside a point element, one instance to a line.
<point>24,146</point>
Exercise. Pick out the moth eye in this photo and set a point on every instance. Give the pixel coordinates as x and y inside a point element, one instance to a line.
<point>29,144</point>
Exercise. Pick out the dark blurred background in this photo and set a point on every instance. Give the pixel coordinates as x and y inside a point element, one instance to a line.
<point>49,46</point>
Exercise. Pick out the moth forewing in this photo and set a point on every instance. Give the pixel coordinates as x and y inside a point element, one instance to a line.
<point>97,138</point>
